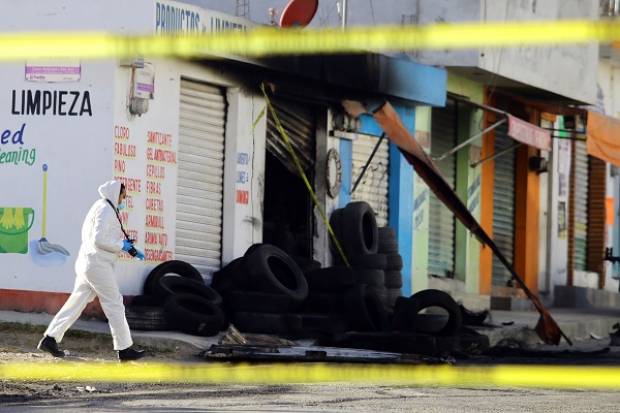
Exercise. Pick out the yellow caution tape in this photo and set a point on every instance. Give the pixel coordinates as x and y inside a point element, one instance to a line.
<point>577,377</point>
<point>270,41</point>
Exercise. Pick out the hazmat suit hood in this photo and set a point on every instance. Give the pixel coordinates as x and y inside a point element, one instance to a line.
<point>111,190</point>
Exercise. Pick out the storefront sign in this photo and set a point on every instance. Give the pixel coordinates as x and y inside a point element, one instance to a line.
<point>53,72</point>
<point>173,17</point>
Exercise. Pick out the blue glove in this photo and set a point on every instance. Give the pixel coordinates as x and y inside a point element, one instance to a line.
<point>127,245</point>
<point>139,255</point>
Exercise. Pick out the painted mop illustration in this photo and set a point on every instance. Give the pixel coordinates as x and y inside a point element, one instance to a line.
<point>42,251</point>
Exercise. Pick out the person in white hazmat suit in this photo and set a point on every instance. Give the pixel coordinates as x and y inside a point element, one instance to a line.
<point>102,241</point>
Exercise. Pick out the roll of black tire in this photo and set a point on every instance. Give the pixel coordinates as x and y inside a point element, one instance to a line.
<point>232,276</point>
<point>369,277</point>
<point>174,267</point>
<point>192,314</point>
<point>394,262</point>
<point>324,303</point>
<point>146,318</point>
<point>393,279</point>
<point>335,221</point>
<point>272,270</point>
<point>360,232</point>
<point>386,233</point>
<point>258,302</point>
<point>146,301</point>
<point>388,247</point>
<point>392,296</point>
<point>331,279</point>
<point>319,323</point>
<point>380,291</point>
<point>306,264</point>
<point>364,310</point>
<point>369,261</point>
<point>265,323</point>
<point>407,309</point>
<point>169,285</point>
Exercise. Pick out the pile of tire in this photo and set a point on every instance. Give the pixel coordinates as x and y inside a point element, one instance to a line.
<point>264,292</point>
<point>175,297</point>
<point>388,245</point>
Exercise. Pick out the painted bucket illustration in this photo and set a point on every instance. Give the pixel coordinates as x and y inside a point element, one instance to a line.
<point>14,226</point>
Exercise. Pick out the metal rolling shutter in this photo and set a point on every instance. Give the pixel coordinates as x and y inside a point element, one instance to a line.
<point>442,224</point>
<point>581,207</point>
<point>201,176</point>
<point>503,204</point>
<point>374,185</point>
<point>299,123</point>
<point>596,217</point>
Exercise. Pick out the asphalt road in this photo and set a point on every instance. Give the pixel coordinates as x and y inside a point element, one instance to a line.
<point>323,398</point>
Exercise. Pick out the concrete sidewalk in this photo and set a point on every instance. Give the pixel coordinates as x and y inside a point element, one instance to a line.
<point>578,324</point>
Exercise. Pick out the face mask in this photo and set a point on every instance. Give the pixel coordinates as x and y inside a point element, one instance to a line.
<point>121,206</point>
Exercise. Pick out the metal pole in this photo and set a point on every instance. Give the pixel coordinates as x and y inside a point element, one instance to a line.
<point>496,155</point>
<point>469,140</point>
<point>344,14</point>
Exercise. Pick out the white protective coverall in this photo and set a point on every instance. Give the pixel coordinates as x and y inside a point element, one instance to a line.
<point>102,241</point>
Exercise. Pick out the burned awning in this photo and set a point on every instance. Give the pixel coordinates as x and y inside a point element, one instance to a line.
<point>603,137</point>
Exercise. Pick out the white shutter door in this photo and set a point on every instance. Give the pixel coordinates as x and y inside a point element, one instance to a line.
<point>503,204</point>
<point>581,206</point>
<point>201,176</point>
<point>374,185</point>
<point>442,223</point>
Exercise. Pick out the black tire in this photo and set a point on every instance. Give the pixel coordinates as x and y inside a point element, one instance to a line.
<point>306,264</point>
<point>360,232</point>
<point>393,279</point>
<point>407,309</point>
<point>258,302</point>
<point>264,323</point>
<point>335,221</point>
<point>369,261</point>
<point>176,267</point>
<point>313,323</point>
<point>392,296</point>
<point>146,301</point>
<point>388,247</point>
<point>324,303</point>
<point>192,314</point>
<point>146,318</point>
<point>386,233</point>
<point>272,270</point>
<point>380,291</point>
<point>394,262</point>
<point>232,276</point>
<point>364,310</point>
<point>369,277</point>
<point>177,285</point>
<point>331,279</point>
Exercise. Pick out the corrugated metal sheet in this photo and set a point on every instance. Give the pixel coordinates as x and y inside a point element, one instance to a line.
<point>299,123</point>
<point>442,221</point>
<point>201,176</point>
<point>374,185</point>
<point>503,204</point>
<point>580,207</point>
<point>596,218</point>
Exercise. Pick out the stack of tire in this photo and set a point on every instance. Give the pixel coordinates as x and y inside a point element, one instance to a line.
<point>175,297</point>
<point>388,245</point>
<point>356,228</point>
<point>264,291</point>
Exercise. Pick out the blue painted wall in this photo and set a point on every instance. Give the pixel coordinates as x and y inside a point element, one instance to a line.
<point>400,191</point>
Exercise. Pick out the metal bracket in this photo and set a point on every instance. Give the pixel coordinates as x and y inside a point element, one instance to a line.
<point>469,140</point>
<point>496,155</point>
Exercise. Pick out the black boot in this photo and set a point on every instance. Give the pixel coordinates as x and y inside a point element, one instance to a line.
<point>49,344</point>
<point>130,354</point>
